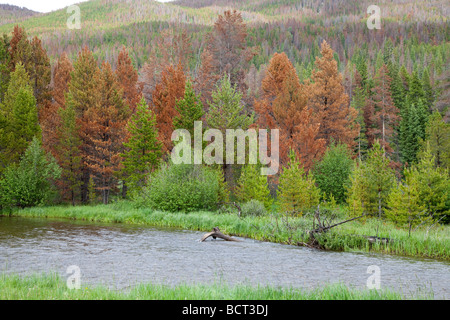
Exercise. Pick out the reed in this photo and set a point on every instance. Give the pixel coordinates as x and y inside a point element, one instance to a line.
<point>53,287</point>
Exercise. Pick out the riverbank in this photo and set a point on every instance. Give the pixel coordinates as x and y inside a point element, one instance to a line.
<point>53,287</point>
<point>423,242</point>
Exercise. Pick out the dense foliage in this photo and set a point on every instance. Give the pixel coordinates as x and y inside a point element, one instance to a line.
<point>182,187</point>
<point>105,100</point>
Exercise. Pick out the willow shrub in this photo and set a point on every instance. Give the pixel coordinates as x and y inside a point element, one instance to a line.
<point>181,187</point>
<point>253,208</point>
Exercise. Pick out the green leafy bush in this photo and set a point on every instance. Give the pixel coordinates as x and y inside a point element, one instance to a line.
<point>333,172</point>
<point>253,186</point>
<point>297,191</point>
<point>30,183</point>
<point>253,208</point>
<point>182,187</point>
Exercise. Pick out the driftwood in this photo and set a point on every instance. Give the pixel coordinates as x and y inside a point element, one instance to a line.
<point>323,227</point>
<point>217,234</point>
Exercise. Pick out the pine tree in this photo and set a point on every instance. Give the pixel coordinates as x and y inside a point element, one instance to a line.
<point>106,121</point>
<point>189,108</point>
<point>206,80</point>
<point>380,178</point>
<point>359,103</point>
<point>397,89</point>
<point>404,205</point>
<point>84,94</point>
<point>253,186</point>
<point>5,69</point>
<point>223,193</point>
<point>415,92</point>
<point>296,191</point>
<point>68,148</point>
<point>143,150</point>
<point>19,119</point>
<point>433,185</point>
<point>412,129</point>
<point>361,67</point>
<point>329,101</point>
<point>49,117</point>
<point>333,171</point>
<point>437,139</point>
<point>280,68</point>
<point>227,45</point>
<point>283,107</point>
<point>40,73</point>
<point>299,130</point>
<point>404,79</point>
<point>36,62</point>
<point>127,77</point>
<point>356,190</point>
<point>20,49</point>
<point>226,111</point>
<point>227,108</point>
<point>384,115</point>
<point>428,92</point>
<point>371,183</point>
<point>167,92</point>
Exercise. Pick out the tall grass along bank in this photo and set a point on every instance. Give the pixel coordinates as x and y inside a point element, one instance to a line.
<point>272,227</point>
<point>53,287</point>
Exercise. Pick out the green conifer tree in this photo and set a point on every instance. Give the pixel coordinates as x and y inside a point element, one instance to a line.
<point>253,186</point>
<point>143,150</point>
<point>332,173</point>
<point>412,129</point>
<point>428,90</point>
<point>69,154</point>
<point>437,139</point>
<point>190,109</point>
<point>404,205</point>
<point>18,118</point>
<point>296,191</point>
<point>371,183</point>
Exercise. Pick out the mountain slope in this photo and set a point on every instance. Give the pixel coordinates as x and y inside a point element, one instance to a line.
<point>14,14</point>
<point>295,27</point>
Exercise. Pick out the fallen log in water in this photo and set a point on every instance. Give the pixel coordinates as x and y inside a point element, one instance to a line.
<point>217,234</point>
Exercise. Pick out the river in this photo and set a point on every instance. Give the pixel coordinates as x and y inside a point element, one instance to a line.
<point>119,256</point>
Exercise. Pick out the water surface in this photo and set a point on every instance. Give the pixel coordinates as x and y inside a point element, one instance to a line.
<point>119,256</point>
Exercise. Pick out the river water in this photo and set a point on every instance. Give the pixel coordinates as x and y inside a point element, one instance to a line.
<point>120,256</point>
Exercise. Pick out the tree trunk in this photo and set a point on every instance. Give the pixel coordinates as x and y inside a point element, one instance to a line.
<point>124,190</point>
<point>379,204</point>
<point>85,187</point>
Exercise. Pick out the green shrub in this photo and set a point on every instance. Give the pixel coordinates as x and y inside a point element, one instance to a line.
<point>181,187</point>
<point>297,191</point>
<point>253,208</point>
<point>253,186</point>
<point>30,183</point>
<point>333,172</point>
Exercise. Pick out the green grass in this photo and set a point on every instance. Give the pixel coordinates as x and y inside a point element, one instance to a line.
<point>53,287</point>
<point>433,243</point>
